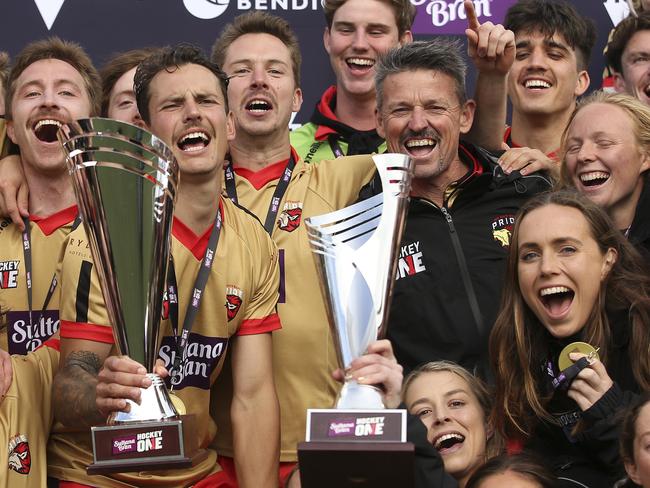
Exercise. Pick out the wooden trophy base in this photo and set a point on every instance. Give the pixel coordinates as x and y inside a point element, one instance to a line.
<point>356,448</point>
<point>145,446</point>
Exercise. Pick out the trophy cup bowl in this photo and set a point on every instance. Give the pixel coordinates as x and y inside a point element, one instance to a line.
<point>125,181</point>
<point>356,255</point>
<point>356,252</point>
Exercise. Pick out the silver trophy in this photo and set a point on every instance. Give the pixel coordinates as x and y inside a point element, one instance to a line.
<point>356,255</point>
<point>125,181</point>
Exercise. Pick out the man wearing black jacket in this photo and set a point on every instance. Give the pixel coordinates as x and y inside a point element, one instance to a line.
<point>462,210</point>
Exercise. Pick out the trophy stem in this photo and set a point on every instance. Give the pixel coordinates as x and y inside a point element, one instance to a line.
<point>355,396</point>
<point>155,404</point>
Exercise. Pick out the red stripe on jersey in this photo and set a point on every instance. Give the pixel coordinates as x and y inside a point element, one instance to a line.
<point>53,222</point>
<point>87,332</point>
<point>194,243</point>
<point>269,173</point>
<point>72,484</point>
<point>52,343</point>
<point>507,138</point>
<point>259,326</point>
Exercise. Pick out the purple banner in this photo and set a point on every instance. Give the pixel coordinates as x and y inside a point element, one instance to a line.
<point>201,357</point>
<point>448,16</point>
<point>24,337</point>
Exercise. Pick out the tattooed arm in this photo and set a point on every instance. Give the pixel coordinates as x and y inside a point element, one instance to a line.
<point>73,390</point>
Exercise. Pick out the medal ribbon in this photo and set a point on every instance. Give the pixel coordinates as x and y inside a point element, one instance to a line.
<point>197,294</point>
<point>278,194</point>
<point>563,380</point>
<point>27,256</point>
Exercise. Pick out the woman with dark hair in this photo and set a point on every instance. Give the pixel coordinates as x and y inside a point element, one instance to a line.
<point>635,439</point>
<point>571,277</point>
<point>518,471</point>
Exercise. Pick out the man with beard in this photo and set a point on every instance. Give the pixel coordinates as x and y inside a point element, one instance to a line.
<point>260,55</point>
<point>462,209</point>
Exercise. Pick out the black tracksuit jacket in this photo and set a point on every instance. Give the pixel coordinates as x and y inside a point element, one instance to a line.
<point>452,263</point>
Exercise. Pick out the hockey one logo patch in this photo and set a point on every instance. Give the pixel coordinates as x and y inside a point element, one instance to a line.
<point>202,355</point>
<point>502,229</point>
<point>234,298</point>
<point>20,459</point>
<point>9,274</point>
<point>410,260</point>
<point>290,217</point>
<point>360,427</point>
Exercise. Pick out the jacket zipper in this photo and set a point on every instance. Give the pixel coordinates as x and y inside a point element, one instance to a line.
<point>464,271</point>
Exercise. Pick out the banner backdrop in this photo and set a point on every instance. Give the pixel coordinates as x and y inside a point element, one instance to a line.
<point>105,27</point>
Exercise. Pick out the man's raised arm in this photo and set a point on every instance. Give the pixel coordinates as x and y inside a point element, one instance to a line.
<point>492,50</point>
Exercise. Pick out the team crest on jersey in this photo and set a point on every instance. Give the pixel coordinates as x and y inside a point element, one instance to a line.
<point>9,274</point>
<point>20,459</point>
<point>502,229</point>
<point>289,219</point>
<point>234,298</point>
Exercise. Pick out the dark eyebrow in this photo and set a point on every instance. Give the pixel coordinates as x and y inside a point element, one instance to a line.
<point>550,43</point>
<point>555,242</point>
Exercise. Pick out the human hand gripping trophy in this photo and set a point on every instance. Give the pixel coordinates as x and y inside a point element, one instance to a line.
<point>356,252</point>
<point>125,181</point>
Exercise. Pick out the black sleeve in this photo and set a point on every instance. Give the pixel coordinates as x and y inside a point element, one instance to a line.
<point>372,188</point>
<point>429,469</point>
<point>601,437</point>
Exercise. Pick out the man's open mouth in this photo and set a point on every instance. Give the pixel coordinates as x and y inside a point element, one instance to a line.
<point>360,64</point>
<point>594,178</point>
<point>45,129</point>
<point>537,84</point>
<point>193,141</point>
<point>258,106</point>
<point>556,299</point>
<point>420,146</point>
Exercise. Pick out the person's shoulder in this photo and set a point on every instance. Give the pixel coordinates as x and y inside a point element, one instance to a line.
<point>303,137</point>
<point>526,185</point>
<point>244,226</point>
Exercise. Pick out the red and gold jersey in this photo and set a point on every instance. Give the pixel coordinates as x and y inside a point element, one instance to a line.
<point>239,298</point>
<point>26,418</point>
<point>47,235</point>
<point>303,352</point>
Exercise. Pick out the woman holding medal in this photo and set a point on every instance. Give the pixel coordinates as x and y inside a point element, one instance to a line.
<point>571,278</point>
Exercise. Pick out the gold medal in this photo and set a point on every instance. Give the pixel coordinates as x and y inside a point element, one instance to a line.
<point>178,403</point>
<point>587,349</point>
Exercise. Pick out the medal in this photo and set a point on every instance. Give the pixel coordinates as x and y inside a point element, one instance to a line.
<point>178,403</point>
<point>582,347</point>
